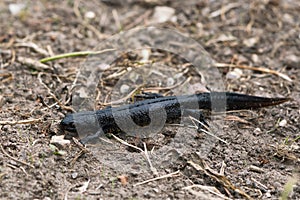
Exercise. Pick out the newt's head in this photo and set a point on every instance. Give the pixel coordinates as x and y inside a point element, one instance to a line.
<point>68,124</point>
<point>81,123</point>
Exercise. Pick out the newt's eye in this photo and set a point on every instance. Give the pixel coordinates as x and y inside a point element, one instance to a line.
<point>71,124</point>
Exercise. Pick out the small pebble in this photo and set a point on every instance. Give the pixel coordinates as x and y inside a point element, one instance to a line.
<point>250,42</point>
<point>255,169</point>
<point>16,8</point>
<point>234,74</point>
<point>103,66</point>
<point>282,167</point>
<point>74,175</point>
<point>59,139</point>
<point>162,14</point>
<point>145,55</point>
<point>277,185</point>
<point>255,58</point>
<point>257,131</point>
<point>124,89</point>
<point>268,194</point>
<point>90,15</point>
<point>282,123</point>
<point>170,81</point>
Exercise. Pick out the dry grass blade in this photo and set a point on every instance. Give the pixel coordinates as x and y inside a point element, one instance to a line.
<point>27,121</point>
<point>236,118</point>
<point>144,152</point>
<point>158,178</point>
<point>124,98</point>
<point>73,54</point>
<point>288,187</point>
<point>202,166</point>
<point>210,189</point>
<point>82,151</point>
<point>224,9</point>
<point>207,132</point>
<point>260,69</point>
<point>7,76</point>
<point>126,143</point>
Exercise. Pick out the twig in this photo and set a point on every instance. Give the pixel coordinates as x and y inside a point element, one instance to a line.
<point>15,159</point>
<point>144,152</point>
<point>52,95</point>
<point>153,169</point>
<point>73,54</point>
<point>259,183</point>
<point>124,98</point>
<point>207,132</point>
<point>33,46</point>
<point>33,63</point>
<point>224,9</point>
<point>82,151</point>
<point>203,166</point>
<point>222,169</point>
<point>260,69</point>
<point>27,121</point>
<point>126,143</point>
<point>7,77</point>
<point>158,178</point>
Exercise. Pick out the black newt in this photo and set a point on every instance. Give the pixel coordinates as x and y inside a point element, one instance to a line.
<point>160,110</point>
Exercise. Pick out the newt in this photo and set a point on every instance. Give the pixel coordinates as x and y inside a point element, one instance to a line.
<point>169,108</point>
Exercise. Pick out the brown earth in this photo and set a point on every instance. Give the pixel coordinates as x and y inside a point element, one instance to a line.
<point>262,153</point>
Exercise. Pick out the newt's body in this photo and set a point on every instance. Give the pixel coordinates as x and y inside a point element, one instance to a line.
<point>159,111</point>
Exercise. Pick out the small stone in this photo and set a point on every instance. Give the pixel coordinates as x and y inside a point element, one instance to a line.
<point>268,194</point>
<point>145,55</point>
<point>255,169</point>
<point>74,175</point>
<point>257,131</point>
<point>89,15</point>
<point>292,58</point>
<point>59,139</point>
<point>103,66</point>
<point>288,18</point>
<point>282,123</point>
<point>170,81</point>
<point>162,14</point>
<point>250,42</point>
<point>124,89</point>
<point>16,8</point>
<point>234,74</point>
<point>282,167</point>
<point>277,185</point>
<point>255,58</point>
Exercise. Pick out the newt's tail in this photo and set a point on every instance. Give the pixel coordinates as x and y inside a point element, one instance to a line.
<point>236,101</point>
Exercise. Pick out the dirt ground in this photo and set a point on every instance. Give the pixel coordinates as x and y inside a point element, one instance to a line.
<point>261,156</point>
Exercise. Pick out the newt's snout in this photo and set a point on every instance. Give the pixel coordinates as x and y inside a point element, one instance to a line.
<point>67,124</point>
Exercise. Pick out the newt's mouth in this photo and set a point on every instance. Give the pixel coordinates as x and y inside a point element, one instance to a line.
<point>69,130</point>
<point>69,127</point>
